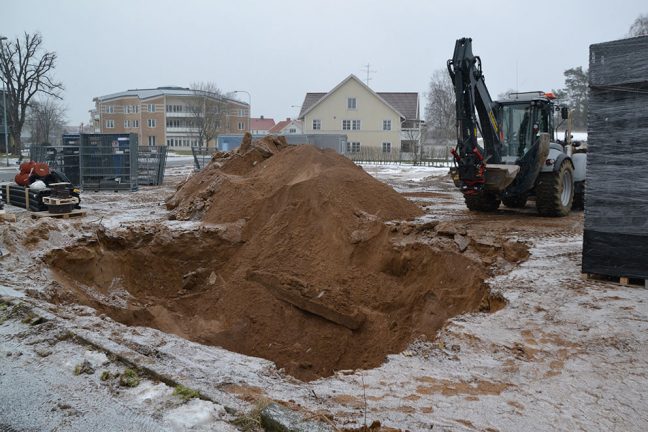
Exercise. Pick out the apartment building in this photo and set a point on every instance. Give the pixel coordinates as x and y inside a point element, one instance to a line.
<point>162,116</point>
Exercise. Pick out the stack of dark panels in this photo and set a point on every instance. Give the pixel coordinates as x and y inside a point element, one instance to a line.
<point>109,162</point>
<point>19,196</point>
<point>62,158</point>
<point>616,204</point>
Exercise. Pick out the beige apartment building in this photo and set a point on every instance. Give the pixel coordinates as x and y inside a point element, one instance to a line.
<point>161,116</point>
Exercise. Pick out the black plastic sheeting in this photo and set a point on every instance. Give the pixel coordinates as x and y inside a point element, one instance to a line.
<point>616,202</point>
<point>15,195</point>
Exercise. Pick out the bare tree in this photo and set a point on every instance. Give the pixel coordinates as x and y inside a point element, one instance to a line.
<point>208,107</point>
<point>440,109</point>
<point>639,27</point>
<point>26,71</point>
<point>46,120</point>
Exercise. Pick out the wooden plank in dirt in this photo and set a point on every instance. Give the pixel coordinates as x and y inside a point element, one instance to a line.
<point>286,289</point>
<point>72,214</point>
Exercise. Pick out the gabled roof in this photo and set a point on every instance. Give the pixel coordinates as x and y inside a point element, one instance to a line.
<point>261,123</point>
<point>280,126</point>
<point>404,104</point>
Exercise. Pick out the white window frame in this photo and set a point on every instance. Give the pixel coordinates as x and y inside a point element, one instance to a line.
<point>353,147</point>
<point>387,125</point>
<point>110,109</point>
<point>151,140</point>
<point>356,125</point>
<point>317,124</point>
<point>110,124</point>
<point>346,124</point>
<point>135,123</point>
<point>292,130</point>
<point>126,124</point>
<point>386,147</point>
<point>151,108</point>
<point>152,123</point>
<point>352,103</point>
<point>241,126</point>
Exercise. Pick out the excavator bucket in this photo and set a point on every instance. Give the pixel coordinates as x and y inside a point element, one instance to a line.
<point>499,177</point>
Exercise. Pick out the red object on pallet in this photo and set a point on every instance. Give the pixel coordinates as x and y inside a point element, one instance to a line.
<point>27,169</point>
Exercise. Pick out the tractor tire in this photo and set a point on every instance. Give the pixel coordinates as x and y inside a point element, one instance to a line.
<point>516,201</point>
<point>555,191</point>
<point>482,202</point>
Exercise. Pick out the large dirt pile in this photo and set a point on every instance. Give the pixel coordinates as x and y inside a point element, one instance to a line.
<point>294,264</point>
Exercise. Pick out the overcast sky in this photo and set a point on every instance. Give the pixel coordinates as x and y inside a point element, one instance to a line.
<point>279,50</point>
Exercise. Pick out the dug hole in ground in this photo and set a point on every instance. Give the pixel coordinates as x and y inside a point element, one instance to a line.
<point>302,258</point>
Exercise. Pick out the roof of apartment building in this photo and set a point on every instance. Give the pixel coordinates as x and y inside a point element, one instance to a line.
<point>155,92</point>
<point>405,103</point>
<point>261,123</point>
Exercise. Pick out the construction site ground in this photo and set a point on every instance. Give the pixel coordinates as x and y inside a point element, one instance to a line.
<point>564,353</point>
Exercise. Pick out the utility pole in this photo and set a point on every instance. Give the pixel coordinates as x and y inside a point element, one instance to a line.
<point>4,107</point>
<point>367,69</point>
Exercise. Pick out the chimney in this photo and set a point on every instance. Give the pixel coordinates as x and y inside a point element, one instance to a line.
<point>261,117</point>
<point>287,118</point>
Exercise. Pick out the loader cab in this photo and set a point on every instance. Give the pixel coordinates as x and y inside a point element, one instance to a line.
<point>522,118</point>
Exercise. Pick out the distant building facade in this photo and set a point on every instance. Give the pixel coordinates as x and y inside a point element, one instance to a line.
<point>378,122</point>
<point>161,116</point>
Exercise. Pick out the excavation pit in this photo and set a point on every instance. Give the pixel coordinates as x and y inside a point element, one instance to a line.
<point>295,261</point>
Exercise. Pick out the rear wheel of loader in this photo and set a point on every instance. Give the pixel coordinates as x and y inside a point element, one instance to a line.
<point>482,202</point>
<point>515,201</point>
<point>555,191</point>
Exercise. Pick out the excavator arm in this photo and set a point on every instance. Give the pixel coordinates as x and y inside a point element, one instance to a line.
<point>475,112</point>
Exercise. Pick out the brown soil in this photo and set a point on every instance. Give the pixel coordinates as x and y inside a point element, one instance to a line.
<point>294,264</point>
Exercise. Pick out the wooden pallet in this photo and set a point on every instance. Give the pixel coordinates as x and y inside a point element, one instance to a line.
<point>60,201</point>
<point>619,280</point>
<point>74,213</point>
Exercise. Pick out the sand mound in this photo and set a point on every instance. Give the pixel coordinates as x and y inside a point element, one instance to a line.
<point>294,263</point>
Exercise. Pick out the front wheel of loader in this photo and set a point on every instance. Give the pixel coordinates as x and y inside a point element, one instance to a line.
<point>555,191</point>
<point>482,202</point>
<point>518,201</point>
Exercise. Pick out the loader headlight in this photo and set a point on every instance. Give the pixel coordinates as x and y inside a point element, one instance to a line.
<point>75,190</point>
<point>550,162</point>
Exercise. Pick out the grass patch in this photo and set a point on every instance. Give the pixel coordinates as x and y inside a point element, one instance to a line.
<point>84,367</point>
<point>185,393</point>
<point>129,378</point>
<point>105,376</point>
<point>251,421</point>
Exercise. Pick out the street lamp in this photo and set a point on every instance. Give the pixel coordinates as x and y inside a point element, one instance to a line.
<point>249,107</point>
<point>4,106</point>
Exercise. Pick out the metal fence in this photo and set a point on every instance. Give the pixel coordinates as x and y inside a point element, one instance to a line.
<point>377,156</point>
<point>151,162</point>
<point>109,162</point>
<point>202,156</point>
<point>62,158</point>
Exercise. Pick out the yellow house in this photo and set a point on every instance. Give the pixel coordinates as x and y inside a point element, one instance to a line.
<point>375,122</point>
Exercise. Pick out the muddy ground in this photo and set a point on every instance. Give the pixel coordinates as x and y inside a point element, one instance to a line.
<point>563,354</point>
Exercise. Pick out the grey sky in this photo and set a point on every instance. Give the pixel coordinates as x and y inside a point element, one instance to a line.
<point>279,50</point>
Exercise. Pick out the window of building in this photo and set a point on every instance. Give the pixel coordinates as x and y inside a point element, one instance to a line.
<point>110,109</point>
<point>241,113</point>
<point>110,124</point>
<point>152,123</point>
<point>126,124</point>
<point>346,124</point>
<point>173,123</point>
<point>241,125</point>
<point>169,142</point>
<point>353,147</point>
<point>317,125</point>
<point>174,108</point>
<point>151,107</point>
<point>351,103</point>
<point>355,125</point>
<point>386,147</point>
<point>386,125</point>
<point>151,140</point>
<point>292,130</point>
<point>135,123</point>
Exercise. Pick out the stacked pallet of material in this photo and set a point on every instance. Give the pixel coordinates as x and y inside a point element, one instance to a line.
<point>616,205</point>
<point>24,197</point>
